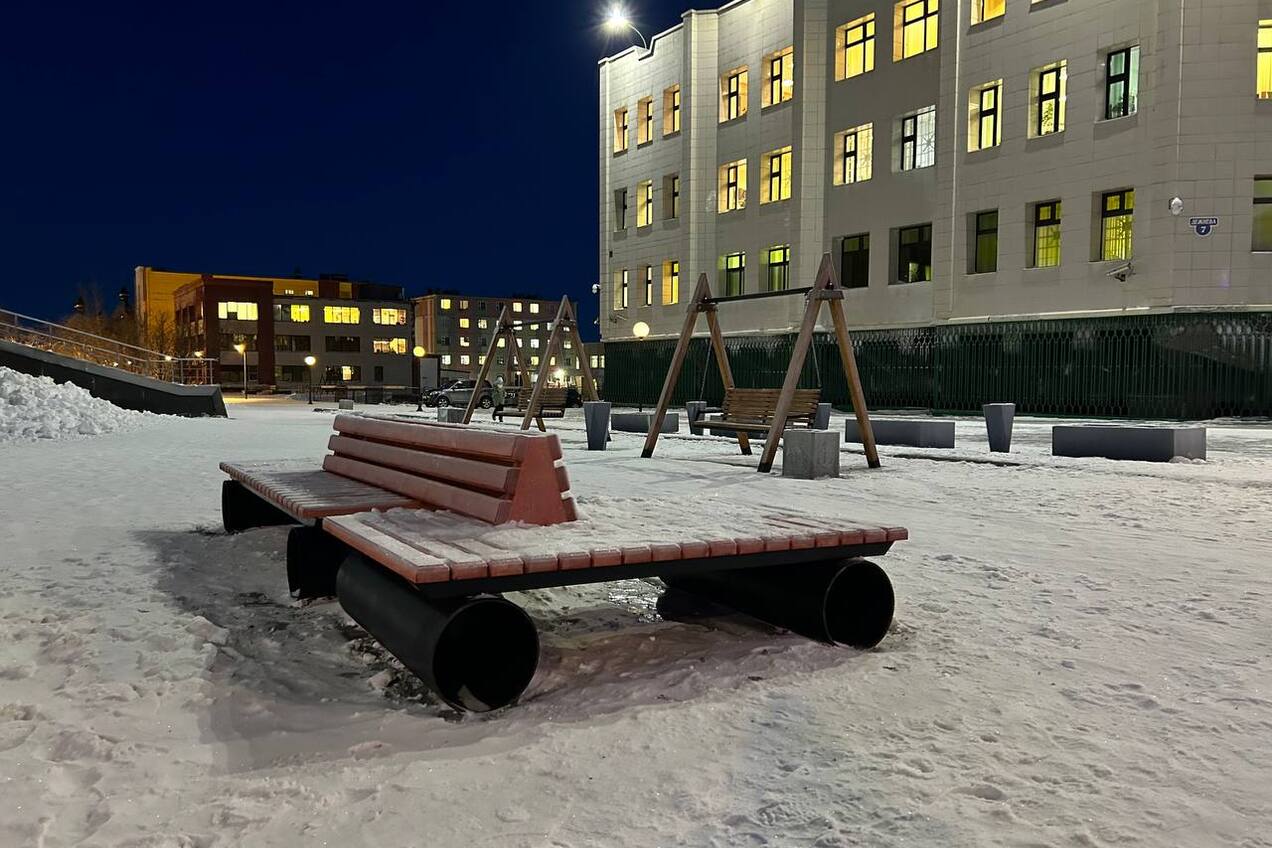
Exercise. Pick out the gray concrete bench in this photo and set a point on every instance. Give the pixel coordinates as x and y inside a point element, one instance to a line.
<point>1118,441</point>
<point>638,422</point>
<point>911,432</point>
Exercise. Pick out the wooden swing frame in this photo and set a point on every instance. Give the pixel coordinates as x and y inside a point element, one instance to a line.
<point>506,328</point>
<point>826,289</point>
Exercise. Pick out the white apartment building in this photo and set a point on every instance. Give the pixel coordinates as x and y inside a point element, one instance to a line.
<point>961,160</point>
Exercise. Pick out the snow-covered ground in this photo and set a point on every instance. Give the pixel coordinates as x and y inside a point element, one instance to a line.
<point>1082,655</point>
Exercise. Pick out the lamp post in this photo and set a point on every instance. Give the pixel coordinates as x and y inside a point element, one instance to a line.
<point>617,20</point>
<point>419,352</point>
<point>641,331</point>
<point>310,360</point>
<point>241,347</point>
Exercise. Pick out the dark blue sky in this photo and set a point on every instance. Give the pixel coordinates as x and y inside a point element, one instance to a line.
<point>448,145</point>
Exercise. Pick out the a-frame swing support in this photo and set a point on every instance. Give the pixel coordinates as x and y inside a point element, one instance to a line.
<point>825,290</point>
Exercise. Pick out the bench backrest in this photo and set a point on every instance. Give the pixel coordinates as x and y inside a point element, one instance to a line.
<point>491,476</point>
<point>756,406</point>
<point>549,397</point>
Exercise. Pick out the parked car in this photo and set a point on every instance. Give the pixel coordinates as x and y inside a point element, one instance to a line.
<point>459,393</point>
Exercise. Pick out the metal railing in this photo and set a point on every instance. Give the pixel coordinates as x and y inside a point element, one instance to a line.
<point>100,350</point>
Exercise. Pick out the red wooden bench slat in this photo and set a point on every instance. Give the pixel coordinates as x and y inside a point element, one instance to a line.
<point>455,439</point>
<point>409,563</point>
<point>433,493</point>
<point>482,475</point>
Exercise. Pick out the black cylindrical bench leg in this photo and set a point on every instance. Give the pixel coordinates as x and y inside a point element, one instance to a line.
<point>313,558</point>
<point>242,509</point>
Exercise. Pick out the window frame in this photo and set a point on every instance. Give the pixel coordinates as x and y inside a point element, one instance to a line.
<point>783,268</point>
<point>847,279</point>
<point>928,22</point>
<point>734,88</point>
<point>989,232</point>
<point>671,110</point>
<point>903,252</point>
<point>649,285</point>
<point>734,274</point>
<point>1128,78</point>
<point>981,18</point>
<point>1261,200</point>
<point>779,179</point>
<point>622,135</point>
<point>856,34</point>
<point>914,140</point>
<point>1107,215</point>
<point>644,121</point>
<point>1047,215</point>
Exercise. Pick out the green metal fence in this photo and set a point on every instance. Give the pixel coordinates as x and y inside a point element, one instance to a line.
<point>1186,366</point>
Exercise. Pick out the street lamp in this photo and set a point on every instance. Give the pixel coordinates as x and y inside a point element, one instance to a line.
<point>419,352</point>
<point>617,20</point>
<point>310,360</point>
<point>241,347</point>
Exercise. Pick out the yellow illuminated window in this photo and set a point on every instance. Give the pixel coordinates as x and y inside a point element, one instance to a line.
<point>346,373</point>
<point>463,304</point>
<point>779,77</point>
<point>534,343</point>
<point>733,93</point>
<point>670,282</point>
<point>1117,211</point>
<point>645,120</point>
<point>594,360</point>
<point>299,312</point>
<point>465,359</point>
<point>444,303</point>
<point>855,48</point>
<point>644,205</point>
<point>534,328</point>
<point>671,110</point>
<point>620,130</point>
<point>1263,72</point>
<point>502,341</point>
<point>236,310</point>
<point>534,360</point>
<point>732,187</point>
<point>388,345</point>
<point>464,323</point>
<point>775,179</point>
<point>482,323</point>
<point>534,309</point>
<point>567,344</point>
<point>985,10</point>
<point>1047,234</point>
<point>984,116</point>
<point>1047,95</point>
<point>516,306</point>
<point>464,342</point>
<point>341,314</point>
<point>387,315</point>
<point>446,359</point>
<point>854,151</point>
<point>915,28</point>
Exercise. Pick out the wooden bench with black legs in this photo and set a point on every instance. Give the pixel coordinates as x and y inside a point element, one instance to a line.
<point>427,523</point>
<point>552,403</point>
<point>752,411</point>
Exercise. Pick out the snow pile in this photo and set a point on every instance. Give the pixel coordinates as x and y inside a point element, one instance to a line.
<point>37,408</point>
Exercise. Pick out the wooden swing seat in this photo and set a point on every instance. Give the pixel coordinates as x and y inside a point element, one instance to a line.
<point>752,410</point>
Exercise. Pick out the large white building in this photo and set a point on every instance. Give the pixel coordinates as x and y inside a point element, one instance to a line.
<point>961,161</point>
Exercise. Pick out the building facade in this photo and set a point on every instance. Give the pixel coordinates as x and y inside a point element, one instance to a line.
<point>962,163</point>
<point>459,327</point>
<point>358,333</point>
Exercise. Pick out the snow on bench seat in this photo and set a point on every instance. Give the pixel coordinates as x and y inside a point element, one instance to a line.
<point>310,494</point>
<point>432,547</point>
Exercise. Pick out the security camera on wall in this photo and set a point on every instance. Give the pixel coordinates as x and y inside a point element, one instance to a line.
<point>1120,273</point>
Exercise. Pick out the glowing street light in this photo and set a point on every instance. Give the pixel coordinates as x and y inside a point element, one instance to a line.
<point>310,360</point>
<point>640,330</point>
<point>241,347</point>
<point>617,20</point>
<point>418,351</point>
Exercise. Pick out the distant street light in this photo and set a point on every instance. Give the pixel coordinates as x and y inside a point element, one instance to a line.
<point>241,347</point>
<point>617,19</point>
<point>419,352</point>
<point>640,330</point>
<point>310,360</point>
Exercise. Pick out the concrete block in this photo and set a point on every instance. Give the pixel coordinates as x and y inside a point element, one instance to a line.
<point>911,432</point>
<point>810,454</point>
<point>638,422</point>
<point>451,414</point>
<point>596,419</point>
<point>1119,441</point>
<point>346,404</point>
<point>695,409</point>
<point>822,420</point>
<point>998,421</point>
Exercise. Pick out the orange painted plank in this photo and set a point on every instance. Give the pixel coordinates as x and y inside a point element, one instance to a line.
<point>470,473</point>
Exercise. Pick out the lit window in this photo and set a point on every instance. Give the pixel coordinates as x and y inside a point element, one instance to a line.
<point>984,116</point>
<point>594,360</point>
<point>502,342</point>
<point>918,140</point>
<point>985,253</point>
<point>733,92</point>
<point>775,179</point>
<point>233,310</point>
<point>388,316</point>
<point>620,130</point>
<point>388,345</point>
<point>1046,229</point>
<point>779,267</point>
<point>649,284</point>
<point>463,304</point>
<point>465,359</point>
<point>534,360</point>
<point>987,10</point>
<point>671,110</point>
<point>732,188</point>
<point>853,154</point>
<point>482,323</point>
<point>620,289</point>
<point>620,209</point>
<point>734,274</point>
<point>534,343</point>
<point>1047,96</point>
<point>914,254</point>
<point>1117,211</point>
<point>645,204</point>
<point>464,323</point>
<point>534,309</point>
<point>444,303</point>
<point>671,196</point>
<point>516,306</point>
<point>644,120</point>
<point>855,48</point>
<point>779,77</point>
<point>446,359</point>
<point>670,282</point>
<point>299,312</point>
<point>552,360</point>
<point>534,328</point>
<point>1121,83</point>
<point>854,261</point>
<point>1262,230</point>
<point>915,28</point>
<point>481,360</point>
<point>567,344</point>
<point>1263,65</point>
<point>350,372</point>
<point>341,315</point>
